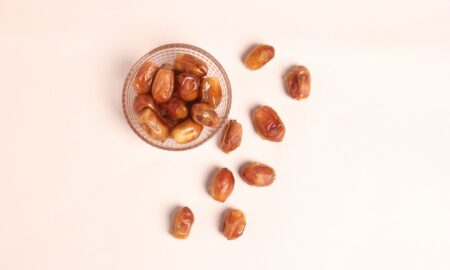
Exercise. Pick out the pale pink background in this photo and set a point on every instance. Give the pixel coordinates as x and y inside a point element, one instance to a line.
<point>363,173</point>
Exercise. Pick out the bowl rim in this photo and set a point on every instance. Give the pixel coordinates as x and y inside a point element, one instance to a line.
<point>169,46</point>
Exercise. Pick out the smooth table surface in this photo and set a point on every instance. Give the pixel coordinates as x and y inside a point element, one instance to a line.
<point>363,172</point>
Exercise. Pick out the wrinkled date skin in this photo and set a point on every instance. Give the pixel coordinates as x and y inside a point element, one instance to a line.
<point>187,86</point>
<point>144,77</point>
<point>210,91</point>
<point>222,185</point>
<point>298,82</point>
<point>141,102</point>
<point>186,131</point>
<point>258,174</point>
<point>162,87</point>
<point>182,223</point>
<point>175,109</point>
<point>191,64</point>
<point>233,223</point>
<point>204,114</point>
<point>258,56</point>
<point>231,136</point>
<point>268,124</point>
<point>155,127</point>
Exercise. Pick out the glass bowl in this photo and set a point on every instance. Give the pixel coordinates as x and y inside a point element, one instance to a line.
<point>165,55</point>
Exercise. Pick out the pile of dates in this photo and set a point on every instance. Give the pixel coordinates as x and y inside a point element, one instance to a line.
<point>176,100</point>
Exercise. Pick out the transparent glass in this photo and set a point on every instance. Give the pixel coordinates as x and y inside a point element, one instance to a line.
<point>165,55</point>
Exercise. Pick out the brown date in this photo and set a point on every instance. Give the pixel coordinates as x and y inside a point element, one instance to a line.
<point>142,102</point>
<point>258,56</point>
<point>210,91</point>
<point>258,174</point>
<point>191,64</point>
<point>187,86</point>
<point>233,223</point>
<point>162,87</point>
<point>204,114</point>
<point>268,124</point>
<point>298,82</point>
<point>175,109</point>
<point>186,131</point>
<point>144,77</point>
<point>155,127</point>
<point>182,223</point>
<point>231,136</point>
<point>221,185</point>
